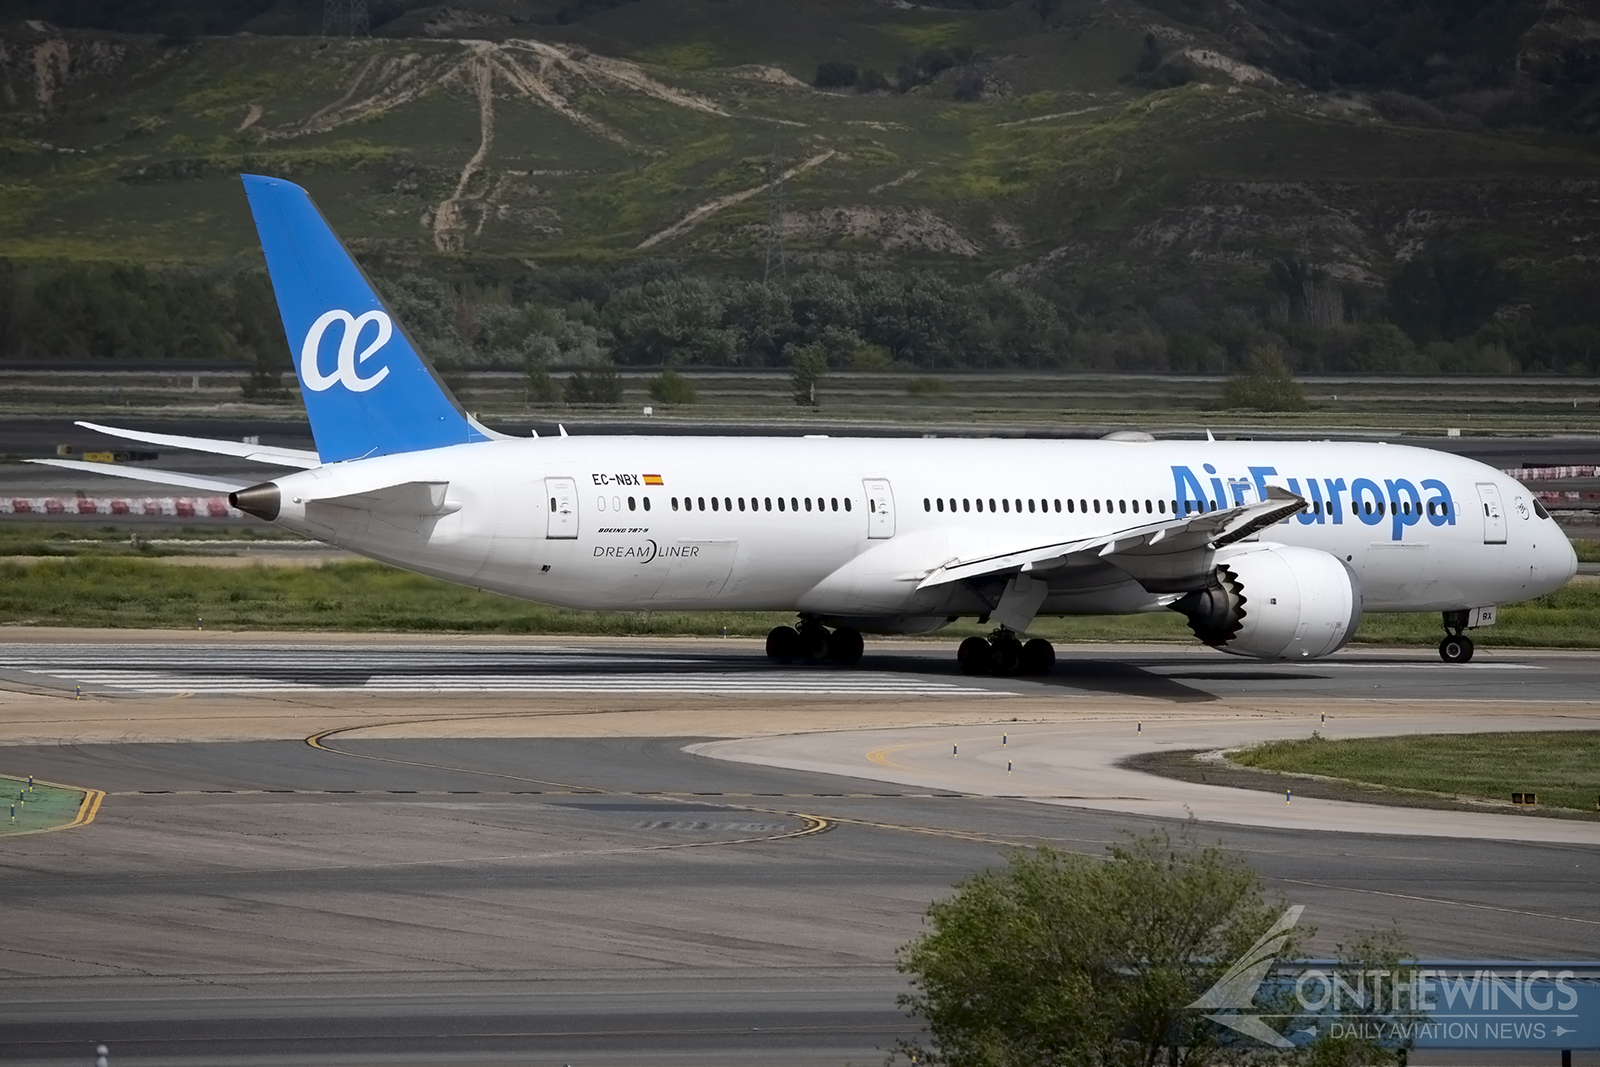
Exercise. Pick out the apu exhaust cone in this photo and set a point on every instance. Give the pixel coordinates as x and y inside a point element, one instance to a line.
<point>263,501</point>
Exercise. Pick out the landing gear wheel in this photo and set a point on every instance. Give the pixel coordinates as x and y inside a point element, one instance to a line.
<point>973,656</point>
<point>844,646</point>
<point>1038,656</point>
<point>813,642</point>
<point>1456,649</point>
<point>1005,654</point>
<point>783,644</point>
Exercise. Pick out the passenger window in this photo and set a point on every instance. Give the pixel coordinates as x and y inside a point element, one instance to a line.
<point>794,505</point>
<point>978,503</point>
<point>767,501</point>
<point>966,505</point>
<point>674,503</point>
<point>1069,506</point>
<point>847,503</point>
<point>647,503</point>
<point>991,503</point>
<point>599,503</point>
<point>1097,507</point>
<point>1147,508</point>
<point>1162,504</point>
<point>1006,504</point>
<point>1019,507</point>
<point>727,503</point>
<point>552,503</point>
<point>808,503</point>
<point>834,501</point>
<point>1058,507</point>
<point>1030,506</point>
<point>1444,508</point>
<point>780,503</point>
<point>713,503</point>
<point>630,504</point>
<point>741,503</point>
<point>927,505</point>
<point>1122,506</point>
<point>1083,506</point>
<point>941,503</point>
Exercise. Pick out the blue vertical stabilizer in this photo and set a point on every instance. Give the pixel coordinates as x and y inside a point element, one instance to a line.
<point>367,389</point>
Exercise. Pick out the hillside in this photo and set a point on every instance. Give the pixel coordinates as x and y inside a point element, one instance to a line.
<point>1147,167</point>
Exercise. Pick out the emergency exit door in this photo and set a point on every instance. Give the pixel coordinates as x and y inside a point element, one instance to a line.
<point>880,507</point>
<point>562,523</point>
<point>1494,517</point>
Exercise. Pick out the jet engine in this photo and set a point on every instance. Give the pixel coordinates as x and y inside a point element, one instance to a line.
<point>1277,602</point>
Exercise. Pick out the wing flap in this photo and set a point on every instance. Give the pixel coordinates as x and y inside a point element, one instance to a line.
<point>1166,544</point>
<point>280,457</point>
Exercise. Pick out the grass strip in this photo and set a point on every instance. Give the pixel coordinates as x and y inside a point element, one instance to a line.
<point>129,592</point>
<point>44,807</point>
<point>1561,767</point>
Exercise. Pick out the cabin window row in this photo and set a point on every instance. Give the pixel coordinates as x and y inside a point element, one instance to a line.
<point>1156,507</point>
<point>793,503</point>
<point>616,503</point>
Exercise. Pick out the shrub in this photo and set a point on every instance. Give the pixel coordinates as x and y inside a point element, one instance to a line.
<point>670,387</point>
<point>600,385</point>
<point>1266,384</point>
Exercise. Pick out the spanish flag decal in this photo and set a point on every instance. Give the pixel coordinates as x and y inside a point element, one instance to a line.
<point>653,479</point>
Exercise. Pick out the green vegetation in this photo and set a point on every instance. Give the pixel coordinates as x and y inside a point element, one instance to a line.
<point>1563,768</point>
<point>1012,184</point>
<point>110,585</point>
<point>44,807</point>
<point>670,387</point>
<point>1059,959</point>
<point>71,539</point>
<point>1265,385</point>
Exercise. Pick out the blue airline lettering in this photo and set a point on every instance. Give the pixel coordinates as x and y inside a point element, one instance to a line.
<point>1400,499</point>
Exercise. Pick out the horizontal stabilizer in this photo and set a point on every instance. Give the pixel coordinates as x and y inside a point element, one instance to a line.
<point>146,474</point>
<point>278,457</point>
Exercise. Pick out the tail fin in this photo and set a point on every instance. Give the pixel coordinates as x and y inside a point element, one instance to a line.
<point>367,389</point>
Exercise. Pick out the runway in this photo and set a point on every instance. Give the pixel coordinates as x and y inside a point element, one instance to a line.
<point>573,888</point>
<point>1177,673</point>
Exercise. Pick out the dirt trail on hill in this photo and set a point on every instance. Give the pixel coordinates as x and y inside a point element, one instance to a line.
<point>711,207</point>
<point>554,76</point>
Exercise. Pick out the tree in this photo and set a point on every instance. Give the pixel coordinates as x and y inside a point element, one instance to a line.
<point>1059,959</point>
<point>809,365</point>
<point>835,75</point>
<point>670,387</point>
<point>542,389</point>
<point>1266,384</point>
<point>600,385</point>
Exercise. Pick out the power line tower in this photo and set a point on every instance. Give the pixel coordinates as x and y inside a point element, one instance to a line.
<point>345,18</point>
<point>775,264</point>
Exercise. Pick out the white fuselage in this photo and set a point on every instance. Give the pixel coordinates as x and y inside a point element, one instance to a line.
<point>572,521</point>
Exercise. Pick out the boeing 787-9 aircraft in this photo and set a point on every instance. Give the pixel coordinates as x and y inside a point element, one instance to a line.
<point>1270,549</point>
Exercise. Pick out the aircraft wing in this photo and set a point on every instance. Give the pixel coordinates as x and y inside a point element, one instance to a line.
<point>279,457</point>
<point>146,474</point>
<point>1172,551</point>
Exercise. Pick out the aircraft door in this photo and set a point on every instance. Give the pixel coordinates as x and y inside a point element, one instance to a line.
<point>880,507</point>
<point>1494,517</point>
<point>562,522</point>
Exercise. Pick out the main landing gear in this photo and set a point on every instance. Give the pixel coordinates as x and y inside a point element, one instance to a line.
<point>1456,646</point>
<point>814,643</point>
<point>1003,653</point>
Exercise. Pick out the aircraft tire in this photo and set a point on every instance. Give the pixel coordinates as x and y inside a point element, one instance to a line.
<point>1038,656</point>
<point>1456,650</point>
<point>1005,655</point>
<point>844,646</point>
<point>973,656</point>
<point>783,644</point>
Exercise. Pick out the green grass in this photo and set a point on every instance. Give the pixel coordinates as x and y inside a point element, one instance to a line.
<point>1563,768</point>
<point>111,590</point>
<point>41,808</point>
<point>71,539</point>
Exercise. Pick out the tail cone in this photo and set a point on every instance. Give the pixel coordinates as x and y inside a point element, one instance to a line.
<point>263,501</point>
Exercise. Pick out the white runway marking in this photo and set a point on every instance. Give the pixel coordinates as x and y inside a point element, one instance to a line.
<point>379,669</point>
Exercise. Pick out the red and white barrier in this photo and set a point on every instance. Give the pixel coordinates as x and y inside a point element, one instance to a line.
<point>1550,474</point>
<point>181,507</point>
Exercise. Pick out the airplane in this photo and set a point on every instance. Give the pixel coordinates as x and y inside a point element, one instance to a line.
<point>1271,550</point>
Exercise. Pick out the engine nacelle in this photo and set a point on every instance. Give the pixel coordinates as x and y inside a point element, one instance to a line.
<point>1278,602</point>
